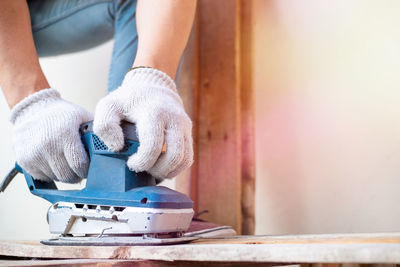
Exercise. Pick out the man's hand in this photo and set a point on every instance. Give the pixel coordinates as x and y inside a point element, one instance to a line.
<point>46,137</point>
<point>148,97</point>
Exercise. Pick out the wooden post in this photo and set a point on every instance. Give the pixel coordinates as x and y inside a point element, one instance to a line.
<point>222,177</point>
<point>247,118</point>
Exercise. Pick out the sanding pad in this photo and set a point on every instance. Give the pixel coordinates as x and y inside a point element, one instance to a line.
<point>117,241</point>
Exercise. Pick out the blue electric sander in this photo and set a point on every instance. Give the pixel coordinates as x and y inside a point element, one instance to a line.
<point>117,206</point>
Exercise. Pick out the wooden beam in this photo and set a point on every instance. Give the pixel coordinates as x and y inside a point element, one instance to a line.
<point>218,137</point>
<point>216,85</point>
<point>247,118</point>
<point>186,182</point>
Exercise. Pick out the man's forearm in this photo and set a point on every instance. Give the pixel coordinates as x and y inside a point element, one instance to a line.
<point>20,71</point>
<point>163,29</point>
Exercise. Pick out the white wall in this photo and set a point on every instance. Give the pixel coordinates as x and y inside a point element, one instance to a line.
<point>327,79</point>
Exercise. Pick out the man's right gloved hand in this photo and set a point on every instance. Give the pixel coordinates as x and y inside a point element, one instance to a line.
<point>46,137</point>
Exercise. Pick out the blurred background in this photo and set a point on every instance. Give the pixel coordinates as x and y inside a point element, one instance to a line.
<point>327,94</point>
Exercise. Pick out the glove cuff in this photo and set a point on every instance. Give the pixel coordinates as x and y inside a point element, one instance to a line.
<point>39,98</point>
<point>150,76</point>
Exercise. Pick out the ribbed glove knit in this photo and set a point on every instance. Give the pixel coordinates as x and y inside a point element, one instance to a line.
<point>148,98</point>
<point>46,137</point>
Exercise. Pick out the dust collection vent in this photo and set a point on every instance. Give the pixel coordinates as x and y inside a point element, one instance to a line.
<point>93,207</point>
<point>98,144</point>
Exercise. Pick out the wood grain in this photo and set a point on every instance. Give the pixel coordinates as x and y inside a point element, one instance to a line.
<point>247,119</point>
<point>339,248</point>
<point>135,263</point>
<point>218,136</point>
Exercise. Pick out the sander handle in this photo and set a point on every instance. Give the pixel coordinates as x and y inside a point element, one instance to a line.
<point>130,133</point>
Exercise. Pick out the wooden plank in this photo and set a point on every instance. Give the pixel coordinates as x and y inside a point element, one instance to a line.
<point>71,262</point>
<point>216,85</point>
<point>247,118</point>
<point>218,138</point>
<point>375,238</point>
<point>186,182</point>
<point>343,248</point>
<point>126,263</point>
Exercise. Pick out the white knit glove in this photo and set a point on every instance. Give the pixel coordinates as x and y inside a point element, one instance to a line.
<point>148,98</point>
<point>46,137</point>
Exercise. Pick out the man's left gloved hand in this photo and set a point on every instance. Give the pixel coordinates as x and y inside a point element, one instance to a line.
<point>148,98</point>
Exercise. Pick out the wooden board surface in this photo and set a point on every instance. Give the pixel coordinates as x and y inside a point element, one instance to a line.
<point>139,263</point>
<point>338,248</point>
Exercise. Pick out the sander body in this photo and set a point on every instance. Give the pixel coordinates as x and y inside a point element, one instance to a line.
<point>117,206</point>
